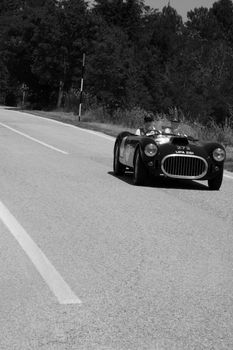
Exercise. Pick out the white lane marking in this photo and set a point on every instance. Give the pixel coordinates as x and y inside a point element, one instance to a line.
<point>33,139</point>
<point>228,174</point>
<point>48,272</point>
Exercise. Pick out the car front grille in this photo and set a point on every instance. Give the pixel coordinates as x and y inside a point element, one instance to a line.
<point>184,166</point>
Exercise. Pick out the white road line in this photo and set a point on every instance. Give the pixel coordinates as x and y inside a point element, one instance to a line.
<point>228,175</point>
<point>48,272</point>
<point>33,139</point>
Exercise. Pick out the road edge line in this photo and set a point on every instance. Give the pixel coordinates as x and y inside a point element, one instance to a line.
<point>50,275</point>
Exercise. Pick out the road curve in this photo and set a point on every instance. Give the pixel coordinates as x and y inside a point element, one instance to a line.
<point>151,267</point>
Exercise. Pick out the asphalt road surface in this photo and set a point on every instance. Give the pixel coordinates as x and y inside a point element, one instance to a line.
<point>90,262</point>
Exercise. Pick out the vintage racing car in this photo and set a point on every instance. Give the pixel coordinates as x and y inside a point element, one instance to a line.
<point>162,153</point>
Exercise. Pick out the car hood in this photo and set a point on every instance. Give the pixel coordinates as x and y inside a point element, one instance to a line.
<point>184,145</point>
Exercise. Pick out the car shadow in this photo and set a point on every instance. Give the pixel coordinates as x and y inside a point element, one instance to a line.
<point>163,182</point>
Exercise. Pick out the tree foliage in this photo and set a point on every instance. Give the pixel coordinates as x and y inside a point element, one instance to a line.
<point>136,56</point>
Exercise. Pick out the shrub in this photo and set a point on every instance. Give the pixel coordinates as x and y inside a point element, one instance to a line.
<point>97,114</point>
<point>216,132</point>
<point>130,118</point>
<point>72,101</point>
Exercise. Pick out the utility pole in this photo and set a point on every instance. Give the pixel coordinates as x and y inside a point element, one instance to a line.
<point>81,88</point>
<point>24,89</point>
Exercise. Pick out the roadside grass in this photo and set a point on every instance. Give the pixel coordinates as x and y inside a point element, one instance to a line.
<point>99,120</point>
<point>229,158</point>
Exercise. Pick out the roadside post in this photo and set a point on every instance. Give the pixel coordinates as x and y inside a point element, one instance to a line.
<point>81,88</point>
<point>24,88</point>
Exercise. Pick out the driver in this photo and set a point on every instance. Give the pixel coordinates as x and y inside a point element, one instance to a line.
<point>147,127</point>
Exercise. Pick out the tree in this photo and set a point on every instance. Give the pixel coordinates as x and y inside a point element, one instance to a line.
<point>202,24</point>
<point>204,67</point>
<point>162,37</point>
<point>106,67</point>
<point>73,23</point>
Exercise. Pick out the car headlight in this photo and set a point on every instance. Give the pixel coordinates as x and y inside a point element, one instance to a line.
<point>150,150</point>
<point>219,154</point>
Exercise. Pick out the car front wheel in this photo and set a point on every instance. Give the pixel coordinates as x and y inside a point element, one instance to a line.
<point>140,171</point>
<point>215,183</point>
<point>118,168</point>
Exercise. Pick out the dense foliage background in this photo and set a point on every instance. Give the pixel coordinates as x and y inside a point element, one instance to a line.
<point>136,57</point>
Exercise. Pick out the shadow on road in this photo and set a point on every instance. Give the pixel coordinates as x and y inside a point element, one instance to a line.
<point>163,182</point>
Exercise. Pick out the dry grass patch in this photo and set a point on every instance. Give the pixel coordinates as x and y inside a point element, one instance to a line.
<point>229,159</point>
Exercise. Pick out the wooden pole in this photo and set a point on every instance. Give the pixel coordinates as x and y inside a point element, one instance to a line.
<point>81,88</point>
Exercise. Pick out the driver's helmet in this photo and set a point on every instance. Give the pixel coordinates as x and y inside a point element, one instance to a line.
<point>148,121</point>
<point>148,124</point>
<point>148,118</point>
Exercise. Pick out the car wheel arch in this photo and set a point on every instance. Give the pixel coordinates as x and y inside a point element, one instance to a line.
<point>118,168</point>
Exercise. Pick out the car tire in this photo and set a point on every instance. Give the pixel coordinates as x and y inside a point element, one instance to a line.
<point>140,172</point>
<point>118,168</point>
<point>215,183</point>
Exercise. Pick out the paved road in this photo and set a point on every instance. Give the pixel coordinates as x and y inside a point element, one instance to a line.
<point>90,262</point>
